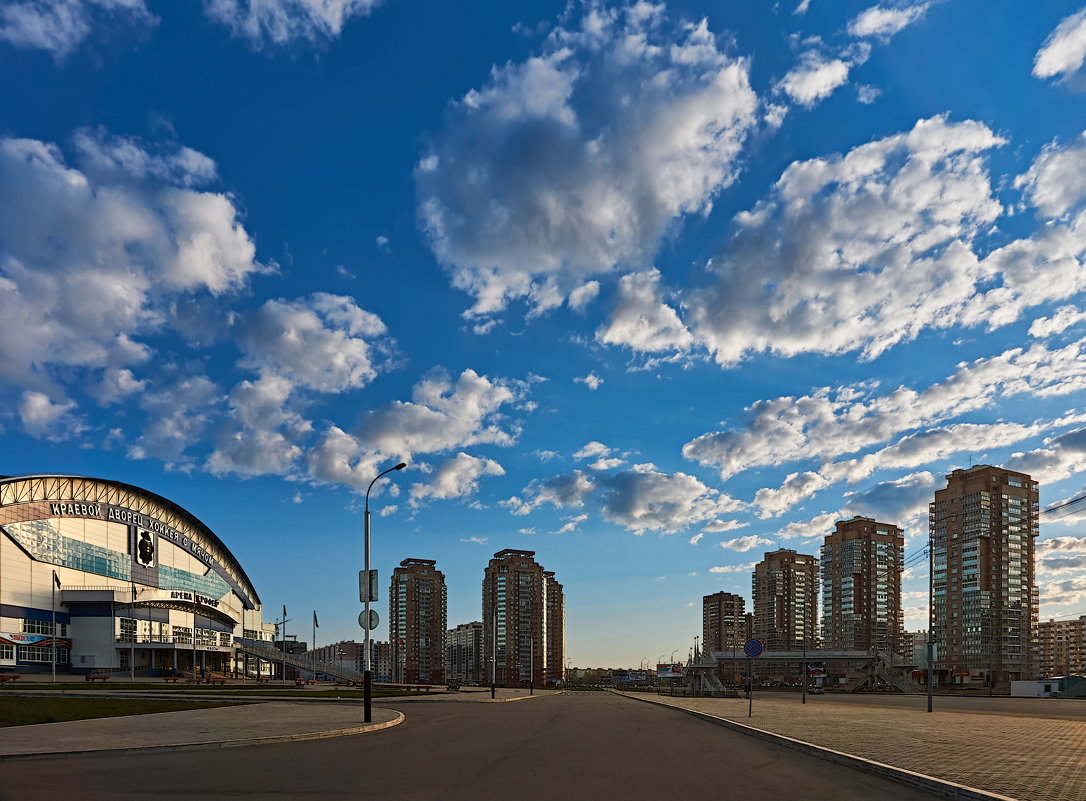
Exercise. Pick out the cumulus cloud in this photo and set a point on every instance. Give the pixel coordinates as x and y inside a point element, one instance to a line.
<point>639,499</point>
<point>899,501</point>
<point>796,486</point>
<point>697,538</point>
<point>323,342</point>
<point>814,78</point>
<point>860,251</point>
<point>592,381</point>
<point>444,414</point>
<point>885,21</point>
<point>642,319</point>
<point>1058,458</point>
<point>93,256</point>
<point>262,430</point>
<point>457,478</point>
<point>283,22</point>
<point>42,417</point>
<point>1064,51</point>
<point>60,26</point>
<point>572,523</point>
<point>832,422</point>
<point>580,159</point>
<point>178,414</point>
<point>1056,181</point>
<point>747,543</point>
<point>475,540</point>
<point>592,450</point>
<point>1064,318</point>
<point>743,568</point>
<point>717,526</point>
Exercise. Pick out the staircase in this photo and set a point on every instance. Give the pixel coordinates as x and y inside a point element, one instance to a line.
<point>888,670</point>
<point>262,650</point>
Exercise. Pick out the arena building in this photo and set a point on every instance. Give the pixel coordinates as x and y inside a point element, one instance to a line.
<point>133,581</point>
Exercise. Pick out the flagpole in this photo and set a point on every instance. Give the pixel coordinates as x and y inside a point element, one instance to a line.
<point>313,644</point>
<point>53,604</point>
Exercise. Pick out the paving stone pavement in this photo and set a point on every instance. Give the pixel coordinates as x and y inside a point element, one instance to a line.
<point>1024,757</point>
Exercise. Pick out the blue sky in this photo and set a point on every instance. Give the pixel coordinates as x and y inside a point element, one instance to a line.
<point>648,289</point>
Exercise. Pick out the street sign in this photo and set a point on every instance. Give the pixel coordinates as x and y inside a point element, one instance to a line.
<point>752,648</point>
<point>373,621</point>
<point>367,590</point>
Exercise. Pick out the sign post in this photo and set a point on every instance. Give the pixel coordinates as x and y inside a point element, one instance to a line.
<point>751,648</point>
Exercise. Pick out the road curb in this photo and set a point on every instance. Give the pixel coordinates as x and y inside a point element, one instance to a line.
<point>942,787</point>
<point>213,744</point>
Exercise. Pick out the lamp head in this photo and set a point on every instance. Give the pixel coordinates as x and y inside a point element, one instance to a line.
<point>400,466</point>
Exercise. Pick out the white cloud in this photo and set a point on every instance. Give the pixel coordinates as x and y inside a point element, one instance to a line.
<point>1064,51</point>
<point>1056,181</point>
<point>860,251</point>
<point>831,422</point>
<point>747,543</point>
<point>743,568</point>
<point>592,381</point>
<point>885,21</point>
<point>814,78</point>
<point>816,527</point>
<point>283,22</point>
<point>457,478</point>
<point>580,159</point>
<point>572,523</point>
<point>796,486</point>
<point>60,26</point>
<point>125,228</point>
<point>41,417</point>
<point>559,491</point>
<point>639,499</point>
<point>717,526</point>
<point>476,540</point>
<point>867,94</point>
<point>261,432</point>
<point>178,414</point>
<point>1058,458</point>
<point>697,538</point>
<point>901,501</point>
<point>1064,318</point>
<point>802,7</point>
<point>443,415</point>
<point>592,450</point>
<point>323,342</point>
<point>641,319</point>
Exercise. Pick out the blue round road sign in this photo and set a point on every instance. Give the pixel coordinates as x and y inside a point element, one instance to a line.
<point>752,648</point>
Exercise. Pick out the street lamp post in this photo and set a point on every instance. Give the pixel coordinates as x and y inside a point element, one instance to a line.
<point>367,674</point>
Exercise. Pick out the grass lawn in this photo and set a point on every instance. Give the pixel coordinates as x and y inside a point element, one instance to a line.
<point>15,711</point>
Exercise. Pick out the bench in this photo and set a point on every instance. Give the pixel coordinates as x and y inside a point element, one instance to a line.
<point>263,678</point>
<point>303,682</point>
<point>9,677</point>
<point>171,678</point>
<point>217,681</point>
<point>408,687</point>
<point>89,677</point>
<point>194,681</point>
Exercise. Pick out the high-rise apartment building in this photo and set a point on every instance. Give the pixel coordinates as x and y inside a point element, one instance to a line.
<point>786,600</point>
<point>861,586</point>
<point>523,621</point>
<point>554,628</point>
<point>723,622</point>
<point>417,611</point>
<point>984,596</point>
<point>464,653</point>
<point>1061,648</point>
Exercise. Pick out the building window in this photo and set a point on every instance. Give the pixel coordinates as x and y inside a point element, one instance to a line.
<point>43,627</point>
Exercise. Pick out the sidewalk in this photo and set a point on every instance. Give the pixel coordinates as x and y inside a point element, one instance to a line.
<point>1023,757</point>
<point>225,727</point>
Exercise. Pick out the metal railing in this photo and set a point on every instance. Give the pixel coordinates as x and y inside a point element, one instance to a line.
<point>270,653</point>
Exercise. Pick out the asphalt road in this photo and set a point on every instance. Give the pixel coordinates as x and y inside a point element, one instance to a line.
<point>577,746</point>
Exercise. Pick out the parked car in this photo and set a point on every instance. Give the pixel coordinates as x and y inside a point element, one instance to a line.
<point>816,690</point>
